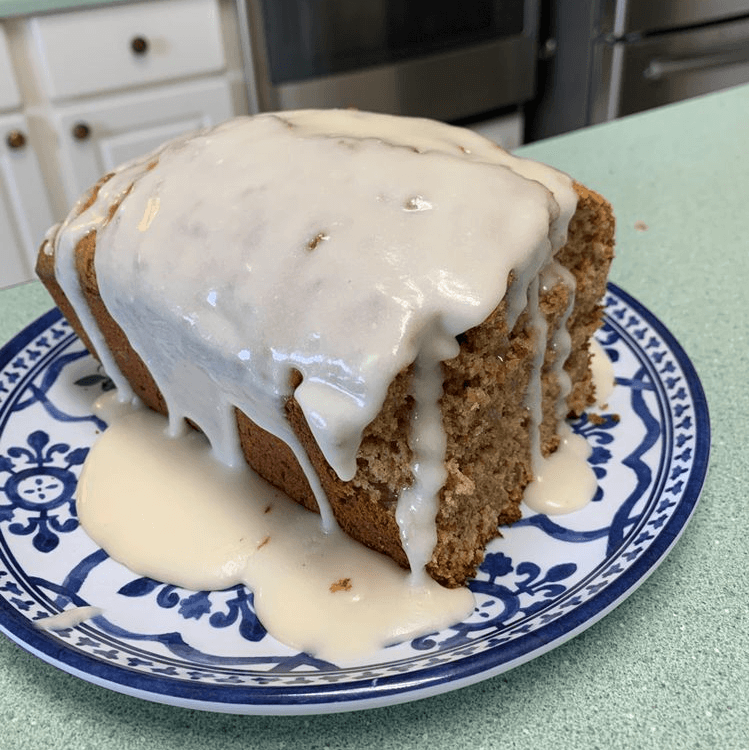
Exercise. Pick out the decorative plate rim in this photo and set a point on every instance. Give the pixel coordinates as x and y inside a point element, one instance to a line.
<point>394,688</point>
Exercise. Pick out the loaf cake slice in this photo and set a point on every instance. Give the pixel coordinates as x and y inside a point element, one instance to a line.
<point>424,248</point>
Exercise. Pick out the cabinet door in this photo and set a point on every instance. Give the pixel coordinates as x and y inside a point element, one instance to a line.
<point>95,137</point>
<point>96,50</point>
<point>9,96</point>
<point>25,214</point>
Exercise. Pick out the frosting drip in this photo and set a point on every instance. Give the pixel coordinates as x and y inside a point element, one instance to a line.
<point>417,505</point>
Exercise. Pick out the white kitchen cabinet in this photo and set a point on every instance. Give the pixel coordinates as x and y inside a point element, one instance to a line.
<point>10,97</point>
<point>104,49</point>
<point>24,209</point>
<point>93,138</point>
<point>96,87</point>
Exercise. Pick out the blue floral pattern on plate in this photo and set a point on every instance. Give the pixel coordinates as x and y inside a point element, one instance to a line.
<point>545,581</point>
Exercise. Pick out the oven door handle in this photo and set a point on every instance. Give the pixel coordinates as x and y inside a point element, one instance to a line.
<point>660,68</point>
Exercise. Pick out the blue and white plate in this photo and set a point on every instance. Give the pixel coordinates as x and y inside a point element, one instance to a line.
<point>545,581</point>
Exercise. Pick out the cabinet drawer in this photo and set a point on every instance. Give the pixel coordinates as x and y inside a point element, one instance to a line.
<point>109,48</point>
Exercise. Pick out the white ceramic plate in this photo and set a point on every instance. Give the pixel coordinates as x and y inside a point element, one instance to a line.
<point>546,581</point>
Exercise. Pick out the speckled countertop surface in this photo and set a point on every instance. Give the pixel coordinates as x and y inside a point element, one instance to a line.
<point>669,668</point>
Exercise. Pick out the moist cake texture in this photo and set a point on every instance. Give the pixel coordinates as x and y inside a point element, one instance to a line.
<point>387,318</point>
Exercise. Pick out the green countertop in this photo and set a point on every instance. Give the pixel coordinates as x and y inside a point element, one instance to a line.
<point>668,668</point>
<point>9,8</point>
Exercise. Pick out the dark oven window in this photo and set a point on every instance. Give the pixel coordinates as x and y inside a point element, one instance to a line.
<point>312,38</point>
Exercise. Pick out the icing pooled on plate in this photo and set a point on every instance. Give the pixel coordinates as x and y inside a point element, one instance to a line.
<point>168,510</point>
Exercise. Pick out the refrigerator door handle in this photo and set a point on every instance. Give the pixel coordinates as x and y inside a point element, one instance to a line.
<point>660,68</point>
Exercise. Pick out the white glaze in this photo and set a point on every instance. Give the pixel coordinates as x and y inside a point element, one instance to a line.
<point>168,510</point>
<point>68,618</point>
<point>564,481</point>
<point>418,504</point>
<point>561,342</point>
<point>603,373</point>
<point>340,244</point>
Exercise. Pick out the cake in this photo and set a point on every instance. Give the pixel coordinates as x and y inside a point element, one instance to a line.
<point>387,318</point>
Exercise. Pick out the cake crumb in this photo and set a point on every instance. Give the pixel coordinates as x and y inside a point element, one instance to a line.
<point>598,419</point>
<point>342,584</point>
<point>268,509</point>
<point>264,542</point>
<point>417,203</point>
<point>641,226</point>
<point>317,239</point>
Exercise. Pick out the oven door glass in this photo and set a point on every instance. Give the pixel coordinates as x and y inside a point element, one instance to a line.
<point>313,38</point>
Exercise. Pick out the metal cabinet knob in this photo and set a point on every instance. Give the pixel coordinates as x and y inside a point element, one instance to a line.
<point>139,45</point>
<point>81,131</point>
<point>16,139</point>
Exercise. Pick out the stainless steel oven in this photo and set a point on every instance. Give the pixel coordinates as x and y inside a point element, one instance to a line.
<point>433,58</point>
<point>609,58</point>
